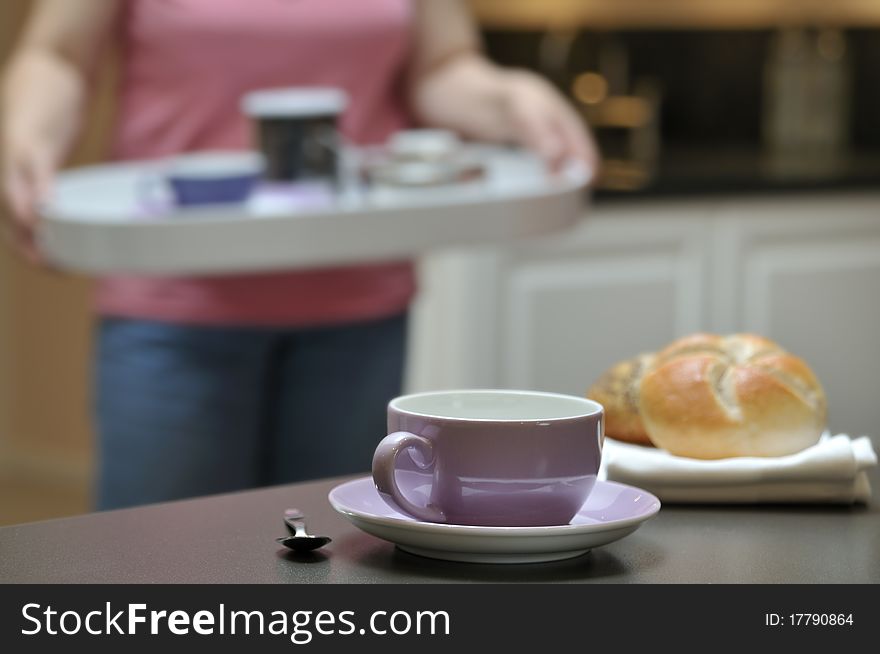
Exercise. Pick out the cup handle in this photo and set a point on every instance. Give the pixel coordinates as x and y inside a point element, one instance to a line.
<point>384,464</point>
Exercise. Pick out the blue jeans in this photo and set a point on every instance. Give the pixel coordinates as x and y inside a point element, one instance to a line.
<point>192,410</point>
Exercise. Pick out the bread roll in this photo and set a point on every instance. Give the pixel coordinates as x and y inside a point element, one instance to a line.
<point>712,397</point>
<point>617,391</point>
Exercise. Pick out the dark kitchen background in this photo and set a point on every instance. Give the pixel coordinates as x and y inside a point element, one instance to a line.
<point>702,110</point>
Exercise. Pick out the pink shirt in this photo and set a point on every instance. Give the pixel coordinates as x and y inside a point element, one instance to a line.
<point>186,63</point>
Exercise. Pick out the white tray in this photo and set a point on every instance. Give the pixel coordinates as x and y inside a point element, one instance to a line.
<point>95,223</point>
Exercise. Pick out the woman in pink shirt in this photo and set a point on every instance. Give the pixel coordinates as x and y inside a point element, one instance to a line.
<point>212,384</point>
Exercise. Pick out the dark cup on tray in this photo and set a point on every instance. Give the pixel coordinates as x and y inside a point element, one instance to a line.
<point>296,130</point>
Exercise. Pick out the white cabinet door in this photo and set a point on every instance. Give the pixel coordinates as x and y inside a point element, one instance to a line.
<point>805,271</point>
<point>628,280</point>
<point>452,332</point>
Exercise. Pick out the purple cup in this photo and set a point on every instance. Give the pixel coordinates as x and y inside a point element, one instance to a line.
<point>226,190</point>
<point>203,178</point>
<point>491,457</point>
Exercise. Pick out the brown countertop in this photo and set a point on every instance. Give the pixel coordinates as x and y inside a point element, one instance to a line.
<point>230,539</point>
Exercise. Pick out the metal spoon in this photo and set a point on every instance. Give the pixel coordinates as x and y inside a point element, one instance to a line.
<point>300,540</point>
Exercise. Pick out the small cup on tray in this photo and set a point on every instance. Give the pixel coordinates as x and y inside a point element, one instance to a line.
<point>296,129</point>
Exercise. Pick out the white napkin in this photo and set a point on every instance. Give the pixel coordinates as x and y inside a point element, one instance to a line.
<point>832,471</point>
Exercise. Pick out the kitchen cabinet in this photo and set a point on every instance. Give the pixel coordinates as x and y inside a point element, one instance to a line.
<point>552,314</point>
<point>806,272</point>
<point>623,284</point>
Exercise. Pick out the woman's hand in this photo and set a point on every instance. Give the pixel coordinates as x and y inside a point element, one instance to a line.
<point>452,85</point>
<point>535,114</point>
<point>482,101</point>
<point>26,171</point>
<point>44,90</point>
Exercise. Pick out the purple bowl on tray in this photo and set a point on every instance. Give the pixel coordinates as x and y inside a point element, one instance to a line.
<point>202,178</point>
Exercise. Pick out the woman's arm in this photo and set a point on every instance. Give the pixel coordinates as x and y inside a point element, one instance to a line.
<point>452,85</point>
<point>44,91</point>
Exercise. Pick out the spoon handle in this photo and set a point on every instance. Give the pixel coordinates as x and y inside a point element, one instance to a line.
<point>291,516</point>
<point>299,528</point>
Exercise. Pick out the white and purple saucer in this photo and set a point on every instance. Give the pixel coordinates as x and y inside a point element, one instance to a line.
<point>611,512</point>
